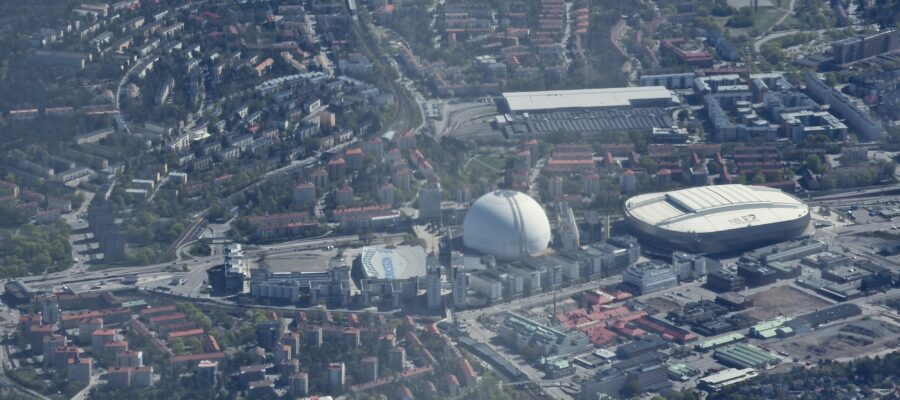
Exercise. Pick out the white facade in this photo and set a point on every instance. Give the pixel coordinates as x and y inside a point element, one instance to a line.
<point>588,98</point>
<point>508,225</point>
<point>651,276</point>
<point>401,262</point>
<point>486,286</point>
<point>568,228</point>
<point>430,197</point>
<point>336,375</point>
<point>688,266</point>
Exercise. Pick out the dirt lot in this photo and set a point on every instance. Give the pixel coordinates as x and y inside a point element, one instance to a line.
<point>662,304</point>
<point>855,338</point>
<point>784,300</point>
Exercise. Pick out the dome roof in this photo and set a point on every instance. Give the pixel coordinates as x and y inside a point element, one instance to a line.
<point>506,224</point>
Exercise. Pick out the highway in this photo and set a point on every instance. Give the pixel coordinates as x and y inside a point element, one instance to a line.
<point>88,280</point>
<point>875,191</point>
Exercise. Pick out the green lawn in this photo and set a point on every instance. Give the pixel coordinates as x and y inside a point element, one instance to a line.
<point>495,163</point>
<point>487,167</point>
<point>764,19</point>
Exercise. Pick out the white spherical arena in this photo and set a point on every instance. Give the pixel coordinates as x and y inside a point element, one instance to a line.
<point>507,224</point>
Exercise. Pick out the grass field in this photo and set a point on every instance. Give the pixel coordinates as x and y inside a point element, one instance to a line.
<point>495,164</point>
<point>763,20</point>
<point>484,169</point>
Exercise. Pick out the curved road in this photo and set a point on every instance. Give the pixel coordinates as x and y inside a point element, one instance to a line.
<point>770,36</point>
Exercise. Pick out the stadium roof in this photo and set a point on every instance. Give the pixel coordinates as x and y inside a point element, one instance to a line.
<point>401,262</point>
<point>715,208</point>
<point>586,98</point>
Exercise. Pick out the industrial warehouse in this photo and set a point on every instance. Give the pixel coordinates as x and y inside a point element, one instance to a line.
<point>588,112</point>
<point>716,219</point>
<point>646,96</point>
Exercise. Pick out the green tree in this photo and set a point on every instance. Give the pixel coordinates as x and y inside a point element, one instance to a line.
<point>813,163</point>
<point>759,179</point>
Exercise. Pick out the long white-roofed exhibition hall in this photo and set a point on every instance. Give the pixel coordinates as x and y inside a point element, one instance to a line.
<point>589,98</point>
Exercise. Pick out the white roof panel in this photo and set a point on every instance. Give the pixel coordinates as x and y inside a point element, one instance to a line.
<point>715,208</point>
<point>401,262</point>
<point>585,98</point>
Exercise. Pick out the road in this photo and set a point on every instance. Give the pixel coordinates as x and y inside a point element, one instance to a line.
<point>160,273</point>
<point>83,394</point>
<point>790,11</point>
<point>772,36</point>
<point>119,117</point>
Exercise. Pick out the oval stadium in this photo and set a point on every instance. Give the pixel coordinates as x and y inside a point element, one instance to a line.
<point>716,219</point>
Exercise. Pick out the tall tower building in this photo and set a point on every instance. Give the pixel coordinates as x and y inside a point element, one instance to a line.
<point>555,187</point>
<point>568,228</point>
<point>336,375</point>
<point>299,384</point>
<point>460,285</point>
<point>369,366</point>
<point>430,197</point>
<point>49,312</point>
<point>433,283</point>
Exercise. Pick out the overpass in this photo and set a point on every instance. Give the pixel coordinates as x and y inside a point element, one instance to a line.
<point>852,194</point>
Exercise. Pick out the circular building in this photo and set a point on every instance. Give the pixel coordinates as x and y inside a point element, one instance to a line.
<point>716,219</point>
<point>506,224</point>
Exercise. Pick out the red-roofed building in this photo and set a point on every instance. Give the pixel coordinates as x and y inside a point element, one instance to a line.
<point>164,329</point>
<point>305,193</point>
<point>282,224</point>
<point>111,349</point>
<point>130,359</point>
<point>599,336</point>
<point>468,374</point>
<point>63,355</point>
<point>111,316</point>
<point>212,345</point>
<point>362,217</point>
<point>80,369</point>
<point>167,319</point>
<point>337,168</point>
<point>692,56</point>
<point>406,140</point>
<point>185,334</point>
<point>403,376</point>
<point>666,330</point>
<point>319,177</point>
<point>354,156</point>
<point>452,385</point>
<point>631,332</point>
<point>119,376</point>
<point>564,166</point>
